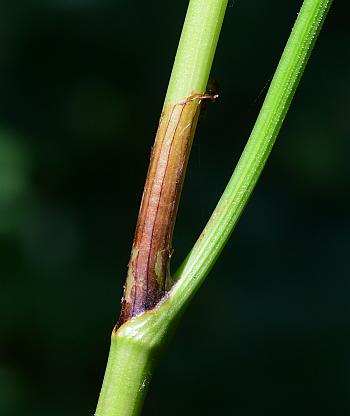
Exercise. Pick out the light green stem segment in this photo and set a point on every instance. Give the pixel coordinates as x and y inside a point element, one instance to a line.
<point>135,343</point>
<point>127,376</point>
<point>196,49</point>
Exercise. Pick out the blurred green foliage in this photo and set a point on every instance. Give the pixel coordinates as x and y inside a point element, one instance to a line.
<point>82,84</point>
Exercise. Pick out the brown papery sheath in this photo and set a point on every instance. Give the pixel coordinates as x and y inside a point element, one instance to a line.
<point>148,278</point>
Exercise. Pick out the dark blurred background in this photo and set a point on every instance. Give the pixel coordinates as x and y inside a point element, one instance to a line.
<point>82,84</point>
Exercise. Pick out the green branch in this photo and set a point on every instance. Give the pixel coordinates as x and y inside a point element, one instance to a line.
<point>135,344</point>
<point>280,94</point>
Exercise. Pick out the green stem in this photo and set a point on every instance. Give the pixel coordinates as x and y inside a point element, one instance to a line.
<point>136,342</point>
<point>129,369</point>
<point>132,351</point>
<point>196,49</point>
<point>280,94</point>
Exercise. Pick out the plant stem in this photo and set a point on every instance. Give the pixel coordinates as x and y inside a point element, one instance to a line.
<point>129,369</point>
<point>129,364</point>
<point>196,49</point>
<point>136,342</point>
<point>246,174</point>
